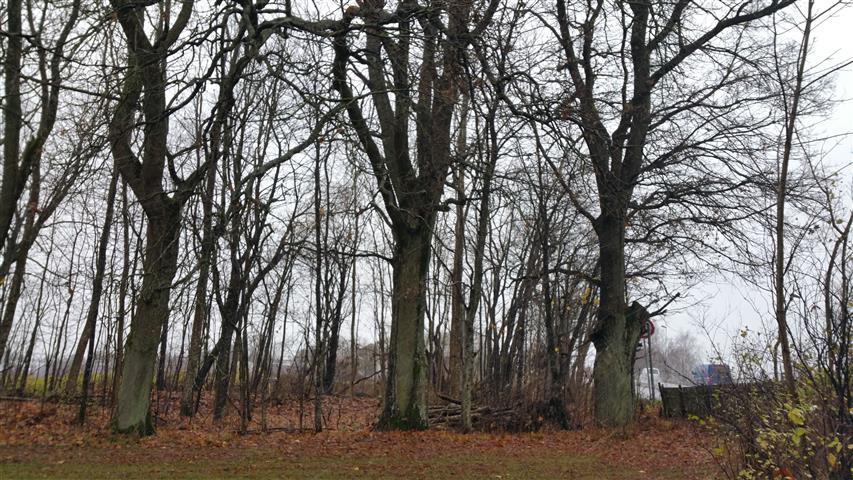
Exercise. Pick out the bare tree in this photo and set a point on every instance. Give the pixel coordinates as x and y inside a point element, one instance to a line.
<point>655,42</point>
<point>145,80</point>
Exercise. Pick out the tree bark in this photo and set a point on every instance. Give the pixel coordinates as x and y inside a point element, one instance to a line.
<point>230,319</point>
<point>14,177</point>
<point>617,158</point>
<point>152,311</point>
<point>617,331</point>
<point>405,393</point>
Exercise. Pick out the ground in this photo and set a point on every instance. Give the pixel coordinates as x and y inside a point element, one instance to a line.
<point>38,441</point>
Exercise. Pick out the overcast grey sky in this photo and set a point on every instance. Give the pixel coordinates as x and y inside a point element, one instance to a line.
<point>729,304</point>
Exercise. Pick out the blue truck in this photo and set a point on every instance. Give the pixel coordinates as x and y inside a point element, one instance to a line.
<point>711,374</point>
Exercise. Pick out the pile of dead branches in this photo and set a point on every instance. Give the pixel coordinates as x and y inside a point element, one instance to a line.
<point>486,418</point>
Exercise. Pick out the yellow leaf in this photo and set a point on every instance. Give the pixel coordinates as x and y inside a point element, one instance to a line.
<point>795,415</point>
<point>835,444</point>
<point>831,459</point>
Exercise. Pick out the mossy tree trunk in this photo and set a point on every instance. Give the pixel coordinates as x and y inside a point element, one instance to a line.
<point>404,404</point>
<point>152,310</point>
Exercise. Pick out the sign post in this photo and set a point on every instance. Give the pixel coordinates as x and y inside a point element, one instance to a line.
<point>646,333</point>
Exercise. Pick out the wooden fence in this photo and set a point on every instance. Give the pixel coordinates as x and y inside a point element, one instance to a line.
<point>705,400</point>
<point>686,401</point>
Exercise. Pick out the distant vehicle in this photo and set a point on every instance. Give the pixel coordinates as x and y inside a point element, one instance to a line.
<point>642,384</point>
<point>711,374</point>
<point>644,376</point>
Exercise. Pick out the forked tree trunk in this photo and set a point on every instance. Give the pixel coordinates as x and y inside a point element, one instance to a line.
<point>335,320</point>
<point>405,393</point>
<point>222,372</point>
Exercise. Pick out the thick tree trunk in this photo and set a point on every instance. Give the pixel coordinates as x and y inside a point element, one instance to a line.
<point>618,329</point>
<point>152,312</point>
<point>405,393</point>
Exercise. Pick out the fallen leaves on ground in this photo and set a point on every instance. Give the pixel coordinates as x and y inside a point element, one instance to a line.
<point>37,432</point>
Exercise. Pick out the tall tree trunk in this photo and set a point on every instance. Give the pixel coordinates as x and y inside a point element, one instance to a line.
<point>97,289</point>
<point>457,316</point>
<point>467,376</point>
<point>554,392</point>
<point>617,331</point>
<point>353,341</point>
<point>208,239</point>
<point>201,300</point>
<point>781,197</point>
<point>122,289</point>
<point>14,177</point>
<point>318,294</point>
<point>152,311</point>
<point>230,319</point>
<point>405,393</point>
<point>145,80</point>
<point>17,164</point>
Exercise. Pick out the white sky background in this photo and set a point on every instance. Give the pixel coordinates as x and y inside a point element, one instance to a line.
<point>722,302</point>
<point>726,304</point>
